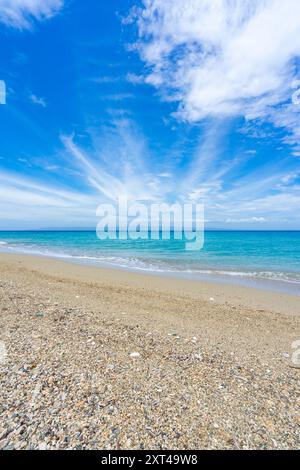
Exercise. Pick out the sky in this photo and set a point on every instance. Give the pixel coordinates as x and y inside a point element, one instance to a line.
<point>156,100</point>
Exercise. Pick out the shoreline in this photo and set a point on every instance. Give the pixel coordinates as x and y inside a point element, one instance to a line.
<point>105,359</point>
<point>221,292</point>
<point>281,277</point>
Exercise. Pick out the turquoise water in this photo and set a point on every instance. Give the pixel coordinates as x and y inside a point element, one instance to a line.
<point>264,259</point>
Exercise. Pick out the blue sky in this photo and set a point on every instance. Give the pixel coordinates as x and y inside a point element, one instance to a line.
<point>192,100</point>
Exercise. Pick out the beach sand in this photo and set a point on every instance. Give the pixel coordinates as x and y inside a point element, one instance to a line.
<point>96,358</point>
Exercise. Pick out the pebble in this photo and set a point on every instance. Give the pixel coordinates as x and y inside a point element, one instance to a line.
<point>134,354</point>
<point>42,446</point>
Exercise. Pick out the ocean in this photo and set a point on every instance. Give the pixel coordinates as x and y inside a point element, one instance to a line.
<point>267,260</point>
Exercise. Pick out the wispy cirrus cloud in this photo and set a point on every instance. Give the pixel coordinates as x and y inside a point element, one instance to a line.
<point>99,179</point>
<point>41,205</point>
<point>21,14</point>
<point>224,57</point>
<point>118,163</point>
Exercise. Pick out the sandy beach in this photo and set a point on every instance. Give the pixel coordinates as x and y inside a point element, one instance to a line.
<point>105,359</point>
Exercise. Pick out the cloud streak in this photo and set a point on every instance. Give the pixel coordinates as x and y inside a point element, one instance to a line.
<point>21,14</point>
<point>42,205</point>
<point>118,163</point>
<point>37,100</point>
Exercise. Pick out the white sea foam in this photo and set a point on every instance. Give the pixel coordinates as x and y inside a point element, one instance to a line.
<point>157,265</point>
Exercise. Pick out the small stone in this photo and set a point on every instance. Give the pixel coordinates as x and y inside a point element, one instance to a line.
<point>42,446</point>
<point>134,355</point>
<point>198,357</point>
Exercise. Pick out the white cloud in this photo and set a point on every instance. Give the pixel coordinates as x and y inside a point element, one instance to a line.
<point>37,100</point>
<point>251,220</point>
<point>290,177</point>
<point>134,78</point>
<point>20,13</point>
<point>224,57</point>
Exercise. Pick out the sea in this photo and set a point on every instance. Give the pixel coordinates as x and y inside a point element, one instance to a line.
<point>268,260</point>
